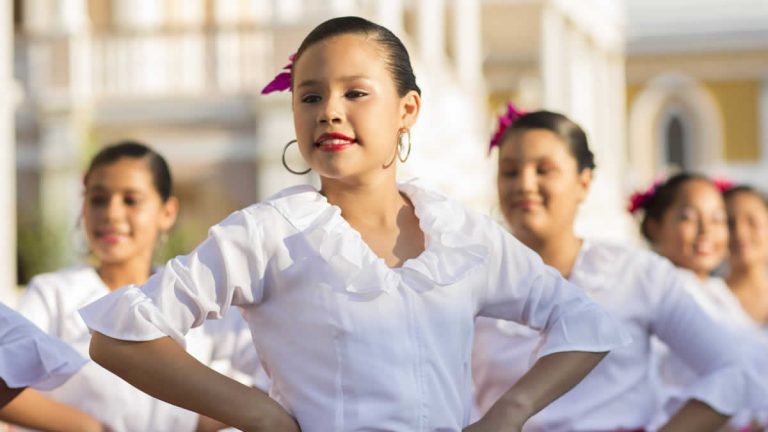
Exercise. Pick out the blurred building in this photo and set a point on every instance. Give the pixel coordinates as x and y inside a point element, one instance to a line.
<point>697,88</point>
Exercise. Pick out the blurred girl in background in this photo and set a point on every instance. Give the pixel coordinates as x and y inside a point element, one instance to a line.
<point>128,206</point>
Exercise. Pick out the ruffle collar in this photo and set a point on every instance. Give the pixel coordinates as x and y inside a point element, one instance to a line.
<point>594,267</point>
<point>449,255</point>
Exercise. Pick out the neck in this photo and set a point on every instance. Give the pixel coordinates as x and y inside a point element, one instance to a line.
<point>558,251</point>
<point>116,275</point>
<point>367,204</point>
<point>748,277</point>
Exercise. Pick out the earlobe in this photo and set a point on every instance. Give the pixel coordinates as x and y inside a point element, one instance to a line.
<point>585,180</point>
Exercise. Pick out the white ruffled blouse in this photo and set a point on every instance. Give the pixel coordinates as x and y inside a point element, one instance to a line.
<point>350,343</point>
<point>31,358</point>
<point>718,301</point>
<point>51,302</point>
<point>648,295</point>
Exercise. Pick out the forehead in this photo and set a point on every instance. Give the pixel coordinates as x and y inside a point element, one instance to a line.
<point>534,144</point>
<point>343,55</point>
<point>124,173</point>
<point>746,200</point>
<point>699,191</point>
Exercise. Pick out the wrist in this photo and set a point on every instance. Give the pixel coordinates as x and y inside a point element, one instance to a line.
<point>515,409</point>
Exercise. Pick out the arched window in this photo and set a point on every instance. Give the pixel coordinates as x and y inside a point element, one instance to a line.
<point>674,143</point>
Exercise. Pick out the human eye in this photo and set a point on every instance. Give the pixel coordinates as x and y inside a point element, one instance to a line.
<point>354,94</point>
<point>509,172</point>
<point>310,98</point>
<point>131,200</point>
<point>544,169</point>
<point>687,214</point>
<point>98,200</point>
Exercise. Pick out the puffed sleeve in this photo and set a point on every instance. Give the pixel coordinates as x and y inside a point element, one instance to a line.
<point>226,269</point>
<point>521,288</point>
<point>31,358</point>
<point>725,363</point>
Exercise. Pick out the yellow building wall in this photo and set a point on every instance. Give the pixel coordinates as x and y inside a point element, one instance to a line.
<point>738,101</point>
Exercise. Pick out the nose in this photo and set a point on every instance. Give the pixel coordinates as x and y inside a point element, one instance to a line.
<point>115,209</point>
<point>330,112</point>
<point>527,181</point>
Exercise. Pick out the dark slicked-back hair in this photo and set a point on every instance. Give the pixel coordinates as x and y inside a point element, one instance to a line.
<point>397,58</point>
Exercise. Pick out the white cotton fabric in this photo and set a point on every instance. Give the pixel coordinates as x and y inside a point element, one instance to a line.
<point>648,295</point>
<point>351,344</point>
<point>31,358</point>
<point>718,301</point>
<point>52,300</point>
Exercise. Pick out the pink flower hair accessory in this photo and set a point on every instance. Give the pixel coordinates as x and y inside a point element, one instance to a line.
<point>723,184</point>
<point>282,81</point>
<point>638,199</point>
<point>504,122</point>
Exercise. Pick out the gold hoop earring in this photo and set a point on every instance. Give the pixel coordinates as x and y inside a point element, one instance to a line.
<point>285,149</point>
<point>403,141</point>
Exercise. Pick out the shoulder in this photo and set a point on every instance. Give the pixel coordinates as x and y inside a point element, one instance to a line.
<point>632,267</point>
<point>291,206</point>
<point>68,279</point>
<point>612,254</point>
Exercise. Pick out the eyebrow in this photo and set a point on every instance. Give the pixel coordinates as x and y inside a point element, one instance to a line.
<point>309,83</point>
<point>101,188</point>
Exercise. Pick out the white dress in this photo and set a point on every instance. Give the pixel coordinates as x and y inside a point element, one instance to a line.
<point>350,343</point>
<point>31,358</point>
<point>51,301</point>
<point>646,292</point>
<point>716,298</point>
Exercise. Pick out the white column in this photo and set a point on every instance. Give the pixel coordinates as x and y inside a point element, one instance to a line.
<point>8,158</point>
<point>48,16</point>
<point>430,32</point>
<point>137,14</point>
<point>466,41</point>
<point>552,60</point>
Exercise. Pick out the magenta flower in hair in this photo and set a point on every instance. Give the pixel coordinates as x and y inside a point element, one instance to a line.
<point>722,184</point>
<point>505,121</point>
<point>282,81</point>
<point>638,199</point>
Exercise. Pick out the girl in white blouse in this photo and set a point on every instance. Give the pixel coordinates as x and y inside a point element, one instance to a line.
<point>361,296</point>
<point>545,172</point>
<point>128,203</point>
<point>31,358</point>
<point>748,244</point>
<point>685,220</point>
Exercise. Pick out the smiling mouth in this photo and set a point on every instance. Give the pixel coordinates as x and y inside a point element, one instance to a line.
<point>525,204</point>
<point>109,237</point>
<point>334,142</point>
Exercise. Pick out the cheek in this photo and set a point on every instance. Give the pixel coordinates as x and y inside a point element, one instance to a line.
<point>677,237</point>
<point>145,223</point>
<point>504,186</point>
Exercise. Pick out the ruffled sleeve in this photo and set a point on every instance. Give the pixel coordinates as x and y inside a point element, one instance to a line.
<point>523,289</point>
<point>727,366</point>
<point>31,358</point>
<point>226,269</point>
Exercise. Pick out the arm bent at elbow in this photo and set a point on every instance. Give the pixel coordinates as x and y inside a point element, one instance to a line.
<point>162,369</point>
<point>549,378</point>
